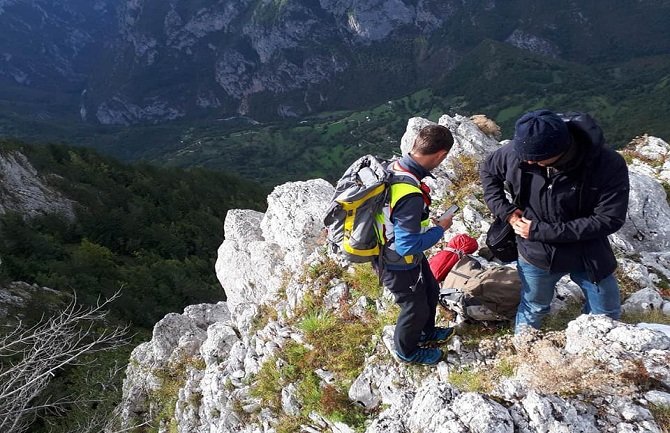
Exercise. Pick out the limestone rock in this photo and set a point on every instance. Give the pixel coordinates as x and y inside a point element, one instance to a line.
<point>243,225</point>
<point>636,272</point>
<point>659,398</point>
<point>566,294</point>
<point>251,266</point>
<point>17,296</point>
<point>482,415</point>
<point>168,331</point>
<point>469,139</point>
<point>658,263</point>
<point>389,421</point>
<point>594,333</point>
<point>263,253</point>
<point>289,402</point>
<point>24,191</point>
<point>431,408</point>
<point>220,339</point>
<point>297,232</point>
<point>533,43</point>
<point>249,271</point>
<point>414,125</point>
<point>643,300</point>
<point>647,227</point>
<point>176,339</point>
<point>204,315</point>
<point>653,148</point>
<point>363,390</point>
<point>552,414</point>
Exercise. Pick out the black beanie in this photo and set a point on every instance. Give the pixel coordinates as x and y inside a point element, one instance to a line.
<point>540,135</point>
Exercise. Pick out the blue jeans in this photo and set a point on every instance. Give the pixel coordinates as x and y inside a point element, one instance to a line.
<point>537,291</point>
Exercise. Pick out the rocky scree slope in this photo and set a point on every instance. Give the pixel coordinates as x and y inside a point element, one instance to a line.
<point>598,375</point>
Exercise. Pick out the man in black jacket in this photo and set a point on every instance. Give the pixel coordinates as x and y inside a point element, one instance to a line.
<point>570,192</point>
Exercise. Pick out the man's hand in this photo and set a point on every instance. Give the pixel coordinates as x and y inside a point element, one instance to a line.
<point>445,223</point>
<point>514,217</point>
<point>522,227</point>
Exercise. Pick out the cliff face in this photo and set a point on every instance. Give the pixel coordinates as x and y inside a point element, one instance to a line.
<point>24,191</point>
<point>248,365</point>
<point>130,61</point>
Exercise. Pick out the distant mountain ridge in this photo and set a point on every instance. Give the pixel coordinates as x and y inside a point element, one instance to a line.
<point>138,61</point>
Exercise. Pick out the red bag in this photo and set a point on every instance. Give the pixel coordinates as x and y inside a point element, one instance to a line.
<point>442,262</point>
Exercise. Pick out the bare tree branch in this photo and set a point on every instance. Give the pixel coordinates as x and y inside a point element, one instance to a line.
<point>31,357</point>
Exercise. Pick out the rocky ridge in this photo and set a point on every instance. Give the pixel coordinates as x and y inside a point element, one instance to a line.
<point>596,376</point>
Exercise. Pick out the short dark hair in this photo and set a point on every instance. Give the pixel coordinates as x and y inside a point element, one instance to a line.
<point>432,139</point>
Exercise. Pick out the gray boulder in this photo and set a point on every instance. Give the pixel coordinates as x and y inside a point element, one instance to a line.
<point>481,414</point>
<point>553,414</point>
<point>647,227</point>
<point>643,300</point>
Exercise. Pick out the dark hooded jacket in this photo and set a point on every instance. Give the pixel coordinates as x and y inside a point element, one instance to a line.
<point>573,208</point>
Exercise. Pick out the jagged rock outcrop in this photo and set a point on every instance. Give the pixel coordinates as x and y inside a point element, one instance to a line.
<point>260,249</point>
<point>175,340</point>
<point>17,297</point>
<point>219,349</point>
<point>23,190</point>
<point>533,43</point>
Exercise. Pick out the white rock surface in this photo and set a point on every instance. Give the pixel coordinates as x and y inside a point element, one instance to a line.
<point>647,227</point>
<point>414,125</point>
<point>259,252</point>
<point>482,415</point>
<point>643,300</point>
<point>552,414</point>
<point>24,191</point>
<point>294,218</point>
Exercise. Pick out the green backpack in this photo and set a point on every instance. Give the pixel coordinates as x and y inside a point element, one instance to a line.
<point>359,197</point>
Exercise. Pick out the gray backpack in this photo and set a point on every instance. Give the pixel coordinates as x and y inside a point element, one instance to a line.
<point>359,198</point>
<point>480,294</point>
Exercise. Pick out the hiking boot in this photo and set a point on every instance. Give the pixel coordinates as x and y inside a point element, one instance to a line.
<point>424,356</point>
<point>438,336</point>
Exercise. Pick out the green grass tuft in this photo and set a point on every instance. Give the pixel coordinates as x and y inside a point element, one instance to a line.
<point>364,281</point>
<point>560,320</point>
<point>650,316</point>
<point>469,380</point>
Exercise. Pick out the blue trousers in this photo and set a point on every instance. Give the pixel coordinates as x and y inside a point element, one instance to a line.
<point>416,292</point>
<point>537,291</point>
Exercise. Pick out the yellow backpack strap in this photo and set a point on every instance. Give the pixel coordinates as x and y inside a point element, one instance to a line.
<point>400,190</point>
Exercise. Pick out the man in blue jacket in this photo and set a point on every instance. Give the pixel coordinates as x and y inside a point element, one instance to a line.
<point>570,192</point>
<point>406,233</point>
